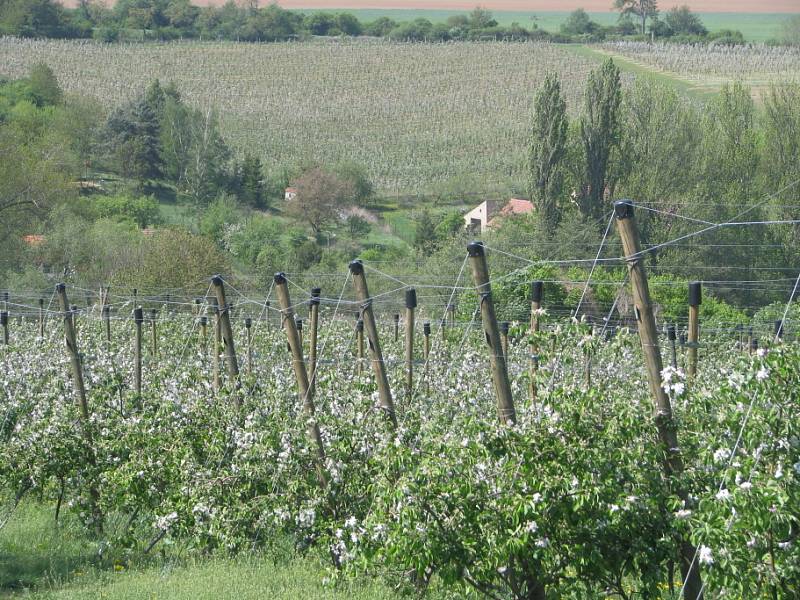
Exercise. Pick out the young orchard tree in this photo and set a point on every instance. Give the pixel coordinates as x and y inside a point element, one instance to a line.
<point>320,197</point>
<point>600,136</point>
<point>644,9</point>
<point>547,150</point>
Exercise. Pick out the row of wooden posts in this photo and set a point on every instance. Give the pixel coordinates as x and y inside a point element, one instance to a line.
<point>496,336</point>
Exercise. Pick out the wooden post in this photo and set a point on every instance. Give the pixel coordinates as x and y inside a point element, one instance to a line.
<point>504,327</point>
<point>73,311</point>
<point>301,374</point>
<point>83,407</point>
<point>695,297</point>
<point>107,322</point>
<point>248,324</point>
<point>215,344</point>
<point>227,335</point>
<point>451,313</point>
<point>4,324</point>
<point>313,310</point>
<point>396,327</point>
<point>269,317</point>
<point>426,350</point>
<point>502,387</point>
<point>378,366</point>
<point>359,347</point>
<point>673,464</point>
<point>203,334</point>
<point>778,331</point>
<point>411,304</point>
<point>196,307</point>
<point>672,337</point>
<point>154,341</point>
<point>299,323</point>
<point>138,320</point>
<point>41,317</point>
<point>536,305</point>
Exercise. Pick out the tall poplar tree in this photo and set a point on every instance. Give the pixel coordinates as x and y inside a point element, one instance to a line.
<point>547,149</point>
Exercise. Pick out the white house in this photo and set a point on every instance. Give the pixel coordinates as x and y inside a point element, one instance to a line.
<point>290,194</point>
<point>486,214</point>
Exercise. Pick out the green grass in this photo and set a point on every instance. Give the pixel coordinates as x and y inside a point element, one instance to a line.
<point>756,27</point>
<point>42,560</point>
<point>684,87</point>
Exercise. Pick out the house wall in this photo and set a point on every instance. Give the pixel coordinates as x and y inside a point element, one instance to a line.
<point>479,213</point>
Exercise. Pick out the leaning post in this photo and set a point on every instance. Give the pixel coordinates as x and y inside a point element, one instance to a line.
<point>227,335</point>
<point>480,275</point>
<point>643,309</point>
<point>378,366</point>
<point>301,374</point>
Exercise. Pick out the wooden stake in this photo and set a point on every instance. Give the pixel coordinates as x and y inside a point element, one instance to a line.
<point>203,334</point>
<point>378,366</point>
<point>301,374</point>
<point>673,464</point>
<point>695,293</point>
<point>502,387</point>
<point>248,324</point>
<point>154,341</point>
<point>41,317</point>
<point>426,352</point>
<point>536,305</point>
<point>359,347</point>
<point>672,338</point>
<point>396,327</point>
<point>83,407</point>
<point>138,320</point>
<point>411,304</point>
<point>227,335</point>
<point>313,316</point>
<point>4,324</point>
<point>215,344</point>
<point>504,327</point>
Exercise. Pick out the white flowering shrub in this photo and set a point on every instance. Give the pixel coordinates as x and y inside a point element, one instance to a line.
<point>569,502</point>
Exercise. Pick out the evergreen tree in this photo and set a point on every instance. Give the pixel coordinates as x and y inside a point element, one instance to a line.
<point>547,149</point>
<point>425,235</point>
<point>133,138</point>
<point>251,190</point>
<point>600,136</point>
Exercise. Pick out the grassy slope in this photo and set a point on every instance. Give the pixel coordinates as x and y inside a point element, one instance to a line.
<point>39,560</point>
<point>756,27</point>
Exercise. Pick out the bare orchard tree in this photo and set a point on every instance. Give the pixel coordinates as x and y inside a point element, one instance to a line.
<point>320,197</point>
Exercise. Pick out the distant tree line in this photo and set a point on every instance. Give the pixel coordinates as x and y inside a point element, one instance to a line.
<point>180,19</point>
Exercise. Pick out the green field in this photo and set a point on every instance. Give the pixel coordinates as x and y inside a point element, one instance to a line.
<point>756,27</point>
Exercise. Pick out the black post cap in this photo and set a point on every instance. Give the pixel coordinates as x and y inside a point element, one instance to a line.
<point>197,300</point>
<point>204,320</point>
<point>106,311</point>
<point>537,287</point>
<point>41,302</point>
<point>623,209</point>
<point>360,325</point>
<point>754,344</point>
<point>153,313</point>
<point>316,292</point>
<point>475,248</point>
<point>248,322</point>
<point>504,326</point>
<point>138,315</point>
<point>671,333</point>
<point>356,267</point>
<point>280,278</point>
<point>60,287</point>
<point>3,318</point>
<point>216,280</point>
<point>5,296</point>
<point>695,293</point>
<point>411,298</point>
<point>426,328</point>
